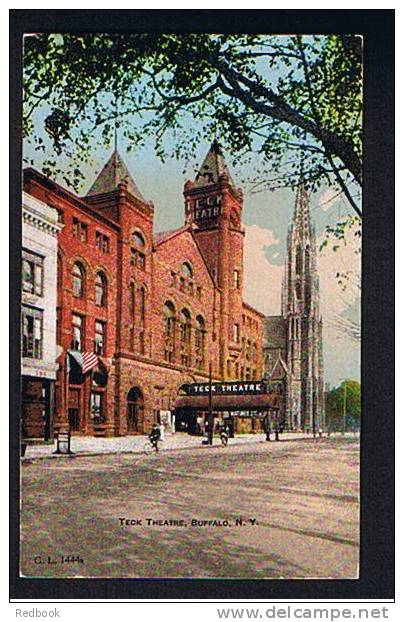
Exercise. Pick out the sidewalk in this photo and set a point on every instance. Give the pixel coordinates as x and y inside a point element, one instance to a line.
<point>90,446</point>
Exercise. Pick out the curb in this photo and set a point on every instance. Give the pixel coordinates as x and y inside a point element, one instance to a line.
<point>92,454</point>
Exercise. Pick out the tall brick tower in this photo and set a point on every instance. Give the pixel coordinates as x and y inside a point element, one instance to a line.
<point>213,206</point>
<point>300,308</point>
<point>116,195</point>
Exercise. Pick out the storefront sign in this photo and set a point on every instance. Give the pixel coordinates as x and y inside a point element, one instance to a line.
<point>225,388</point>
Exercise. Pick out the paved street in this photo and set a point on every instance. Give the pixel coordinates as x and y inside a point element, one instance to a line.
<point>297,500</point>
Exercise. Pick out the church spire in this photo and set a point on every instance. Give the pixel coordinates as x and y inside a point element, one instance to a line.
<point>301,217</point>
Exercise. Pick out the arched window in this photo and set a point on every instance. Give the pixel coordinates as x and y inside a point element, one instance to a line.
<point>137,239</point>
<point>200,342</point>
<point>135,411</point>
<point>298,260</point>
<point>138,257</point>
<point>132,300</point>
<point>186,270</point>
<point>142,304</point>
<point>169,332</point>
<point>78,275</point>
<point>185,326</point>
<point>101,290</point>
<point>185,337</point>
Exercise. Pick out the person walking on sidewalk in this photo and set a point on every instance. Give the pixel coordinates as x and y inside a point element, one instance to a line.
<point>155,436</point>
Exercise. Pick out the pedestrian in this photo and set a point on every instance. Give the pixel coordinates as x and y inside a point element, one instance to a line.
<point>154,437</point>
<point>224,436</point>
<point>162,431</point>
<point>320,432</point>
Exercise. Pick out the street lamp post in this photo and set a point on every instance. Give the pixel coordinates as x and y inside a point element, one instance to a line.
<point>210,415</point>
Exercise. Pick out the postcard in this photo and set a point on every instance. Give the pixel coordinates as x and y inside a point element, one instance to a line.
<point>191,306</point>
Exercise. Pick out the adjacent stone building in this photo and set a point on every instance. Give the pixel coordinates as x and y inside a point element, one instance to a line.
<point>38,316</point>
<point>293,341</point>
<point>141,314</point>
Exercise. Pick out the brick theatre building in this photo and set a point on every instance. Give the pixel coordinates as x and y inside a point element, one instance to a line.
<point>140,315</point>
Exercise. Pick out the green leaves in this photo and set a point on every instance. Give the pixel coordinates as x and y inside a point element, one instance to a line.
<point>293,105</point>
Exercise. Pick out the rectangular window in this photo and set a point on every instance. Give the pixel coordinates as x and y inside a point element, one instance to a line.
<point>77,332</point>
<point>102,242</point>
<point>83,232</point>
<point>236,279</point>
<point>75,228</point>
<point>32,332</point>
<point>138,259</point>
<point>97,407</point>
<point>80,230</point>
<point>236,333</point>
<point>32,273</point>
<point>99,338</point>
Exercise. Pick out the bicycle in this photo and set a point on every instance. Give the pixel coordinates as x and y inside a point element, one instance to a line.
<point>148,447</point>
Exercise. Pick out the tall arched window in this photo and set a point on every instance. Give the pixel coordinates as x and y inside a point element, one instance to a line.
<point>138,257</point>
<point>169,332</point>
<point>137,239</point>
<point>186,270</point>
<point>185,337</point>
<point>200,342</point>
<point>135,411</point>
<point>78,275</point>
<point>299,261</point>
<point>101,290</point>
<point>132,300</point>
<point>142,304</point>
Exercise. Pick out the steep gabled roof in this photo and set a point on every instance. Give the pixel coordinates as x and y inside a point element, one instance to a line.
<point>165,236</point>
<point>212,167</point>
<point>114,172</point>
<point>279,370</point>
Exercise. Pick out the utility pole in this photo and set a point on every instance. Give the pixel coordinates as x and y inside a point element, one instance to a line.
<point>210,416</point>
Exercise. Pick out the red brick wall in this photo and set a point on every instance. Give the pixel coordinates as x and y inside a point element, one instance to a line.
<point>218,250</point>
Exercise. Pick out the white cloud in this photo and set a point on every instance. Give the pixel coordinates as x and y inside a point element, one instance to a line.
<point>341,353</point>
<point>262,280</point>
<point>344,260</point>
<point>262,289</point>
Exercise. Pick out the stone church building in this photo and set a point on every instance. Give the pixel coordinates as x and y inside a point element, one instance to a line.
<point>293,349</point>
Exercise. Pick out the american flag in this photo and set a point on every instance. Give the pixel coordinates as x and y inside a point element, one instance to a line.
<point>90,360</point>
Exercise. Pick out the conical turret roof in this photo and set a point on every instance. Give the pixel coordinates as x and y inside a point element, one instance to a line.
<point>212,167</point>
<point>114,172</point>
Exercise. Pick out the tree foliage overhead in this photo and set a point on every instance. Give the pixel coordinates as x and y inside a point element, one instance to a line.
<point>290,104</point>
